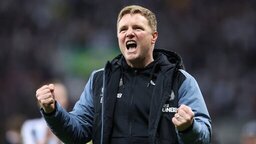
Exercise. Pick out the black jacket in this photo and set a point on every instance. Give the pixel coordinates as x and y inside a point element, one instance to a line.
<point>149,123</point>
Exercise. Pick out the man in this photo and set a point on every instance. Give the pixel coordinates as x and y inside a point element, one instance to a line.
<point>35,131</point>
<point>142,96</point>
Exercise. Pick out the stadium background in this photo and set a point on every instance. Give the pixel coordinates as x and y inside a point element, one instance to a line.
<point>66,40</point>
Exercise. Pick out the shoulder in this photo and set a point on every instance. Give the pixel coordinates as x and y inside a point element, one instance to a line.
<point>184,79</point>
<point>188,85</point>
<point>183,75</point>
<point>180,76</point>
<point>96,78</point>
<point>97,74</point>
<point>98,71</point>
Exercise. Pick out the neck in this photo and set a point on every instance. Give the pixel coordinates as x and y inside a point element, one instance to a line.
<point>140,63</point>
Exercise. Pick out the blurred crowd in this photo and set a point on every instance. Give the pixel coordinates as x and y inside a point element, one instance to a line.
<point>45,40</point>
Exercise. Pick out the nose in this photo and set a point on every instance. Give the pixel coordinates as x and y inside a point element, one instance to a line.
<point>130,33</point>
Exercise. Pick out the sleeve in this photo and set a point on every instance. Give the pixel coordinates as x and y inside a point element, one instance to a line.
<point>189,94</point>
<point>74,126</point>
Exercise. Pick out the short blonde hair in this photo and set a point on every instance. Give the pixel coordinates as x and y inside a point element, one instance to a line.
<point>135,9</point>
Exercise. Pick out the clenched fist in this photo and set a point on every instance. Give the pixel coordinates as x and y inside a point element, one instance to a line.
<point>184,117</point>
<point>46,98</point>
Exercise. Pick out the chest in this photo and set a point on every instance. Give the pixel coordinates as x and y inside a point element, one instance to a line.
<point>135,92</point>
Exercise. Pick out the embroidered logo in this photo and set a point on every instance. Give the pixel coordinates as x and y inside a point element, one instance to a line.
<point>172,96</point>
<point>119,95</point>
<point>151,83</point>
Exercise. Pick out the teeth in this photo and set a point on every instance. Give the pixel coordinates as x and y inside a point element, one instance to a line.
<point>130,42</point>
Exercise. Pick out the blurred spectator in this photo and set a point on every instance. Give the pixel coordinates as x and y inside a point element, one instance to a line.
<point>12,131</point>
<point>248,133</point>
<point>36,131</point>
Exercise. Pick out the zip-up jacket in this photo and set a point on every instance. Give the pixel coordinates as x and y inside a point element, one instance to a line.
<point>122,105</point>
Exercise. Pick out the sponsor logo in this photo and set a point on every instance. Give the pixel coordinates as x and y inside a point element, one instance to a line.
<point>168,109</point>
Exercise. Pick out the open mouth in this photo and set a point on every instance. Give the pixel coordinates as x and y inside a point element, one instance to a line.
<point>131,44</point>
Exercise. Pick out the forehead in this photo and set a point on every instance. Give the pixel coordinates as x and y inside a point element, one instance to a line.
<point>133,19</point>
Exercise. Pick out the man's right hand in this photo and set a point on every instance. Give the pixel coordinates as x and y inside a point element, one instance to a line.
<point>45,97</point>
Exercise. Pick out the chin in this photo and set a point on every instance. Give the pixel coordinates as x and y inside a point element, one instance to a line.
<point>131,57</point>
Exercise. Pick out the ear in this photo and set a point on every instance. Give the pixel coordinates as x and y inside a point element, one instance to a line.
<point>155,36</point>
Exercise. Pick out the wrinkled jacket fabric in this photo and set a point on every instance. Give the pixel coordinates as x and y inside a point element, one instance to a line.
<point>93,115</point>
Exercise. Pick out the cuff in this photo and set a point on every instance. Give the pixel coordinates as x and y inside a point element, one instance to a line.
<point>188,129</point>
<point>191,133</point>
<point>51,113</point>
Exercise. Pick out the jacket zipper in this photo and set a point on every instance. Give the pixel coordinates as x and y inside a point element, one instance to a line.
<point>131,103</point>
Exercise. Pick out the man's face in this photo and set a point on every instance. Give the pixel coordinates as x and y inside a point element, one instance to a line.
<point>136,40</point>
